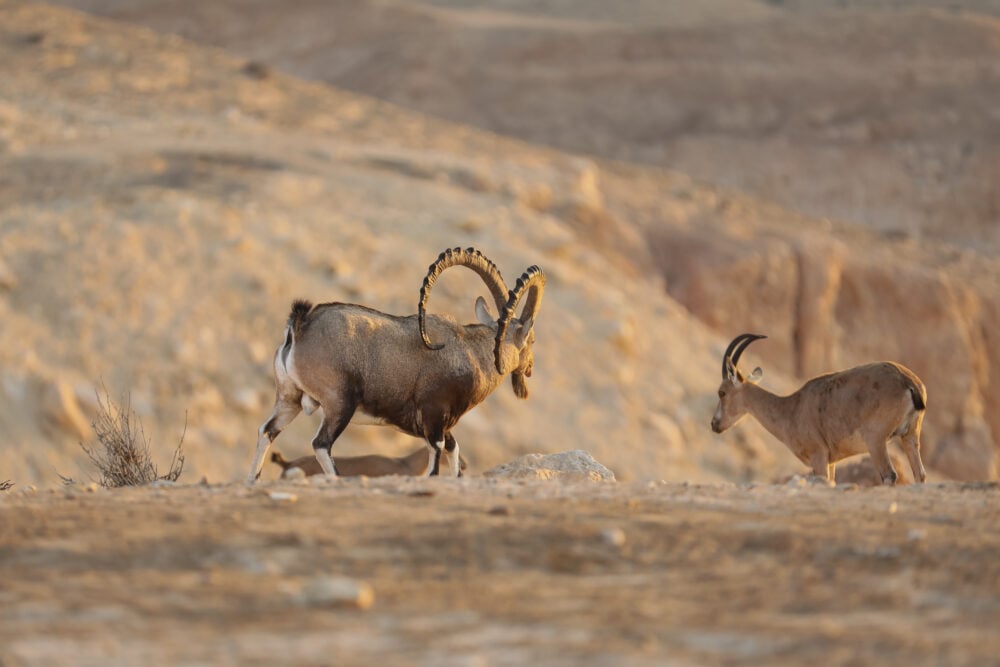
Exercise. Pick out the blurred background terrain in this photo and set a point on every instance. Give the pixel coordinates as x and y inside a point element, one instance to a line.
<point>173,174</point>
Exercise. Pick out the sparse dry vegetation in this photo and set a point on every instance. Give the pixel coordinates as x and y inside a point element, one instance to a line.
<point>121,452</point>
<point>5,485</point>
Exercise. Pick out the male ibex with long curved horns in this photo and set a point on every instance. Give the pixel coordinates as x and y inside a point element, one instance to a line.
<point>363,366</point>
<point>832,416</point>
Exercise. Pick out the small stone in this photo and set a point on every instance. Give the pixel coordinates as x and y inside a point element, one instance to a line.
<point>802,481</point>
<point>283,496</point>
<point>614,537</point>
<point>63,412</point>
<point>892,508</point>
<point>8,280</point>
<point>330,591</point>
<point>916,534</point>
<point>499,510</point>
<point>91,488</point>
<point>246,399</point>
<point>256,70</point>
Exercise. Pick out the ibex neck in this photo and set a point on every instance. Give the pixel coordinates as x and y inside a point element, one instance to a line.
<point>775,413</point>
<point>481,345</point>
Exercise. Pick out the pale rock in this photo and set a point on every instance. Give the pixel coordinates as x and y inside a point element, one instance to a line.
<point>802,481</point>
<point>247,399</point>
<point>572,466</point>
<point>669,436</point>
<point>62,411</point>
<point>333,591</point>
<point>614,537</point>
<point>8,279</point>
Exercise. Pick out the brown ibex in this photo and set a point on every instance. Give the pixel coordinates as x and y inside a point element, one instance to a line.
<point>364,366</point>
<point>832,416</point>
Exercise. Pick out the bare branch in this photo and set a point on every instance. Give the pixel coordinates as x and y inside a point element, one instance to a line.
<point>121,453</point>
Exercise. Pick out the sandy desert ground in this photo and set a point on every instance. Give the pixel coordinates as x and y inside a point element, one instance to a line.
<point>821,172</point>
<point>488,572</point>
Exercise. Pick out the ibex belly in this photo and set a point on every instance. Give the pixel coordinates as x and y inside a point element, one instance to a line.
<point>849,446</point>
<point>362,418</point>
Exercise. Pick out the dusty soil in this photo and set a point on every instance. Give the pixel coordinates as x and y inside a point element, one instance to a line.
<point>483,572</point>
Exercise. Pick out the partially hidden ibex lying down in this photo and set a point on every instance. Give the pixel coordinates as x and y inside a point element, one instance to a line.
<point>363,366</point>
<point>832,416</point>
<point>414,464</point>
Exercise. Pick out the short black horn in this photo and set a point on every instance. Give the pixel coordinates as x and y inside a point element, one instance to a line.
<point>726,357</point>
<point>735,350</point>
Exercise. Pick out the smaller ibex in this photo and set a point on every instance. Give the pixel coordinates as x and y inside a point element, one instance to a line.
<point>832,416</point>
<point>369,465</point>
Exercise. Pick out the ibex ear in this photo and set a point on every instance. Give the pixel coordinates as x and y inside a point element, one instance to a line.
<point>521,333</point>
<point>482,312</point>
<point>755,376</point>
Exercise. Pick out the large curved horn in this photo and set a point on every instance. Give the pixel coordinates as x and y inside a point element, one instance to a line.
<point>471,259</point>
<point>735,351</point>
<point>531,281</point>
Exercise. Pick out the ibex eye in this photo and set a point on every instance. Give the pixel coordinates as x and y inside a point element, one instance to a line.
<point>722,394</point>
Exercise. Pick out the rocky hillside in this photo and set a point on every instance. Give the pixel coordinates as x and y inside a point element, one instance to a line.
<point>161,204</point>
<point>877,112</point>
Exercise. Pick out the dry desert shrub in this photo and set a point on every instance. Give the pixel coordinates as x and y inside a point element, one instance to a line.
<point>6,485</point>
<point>121,452</point>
